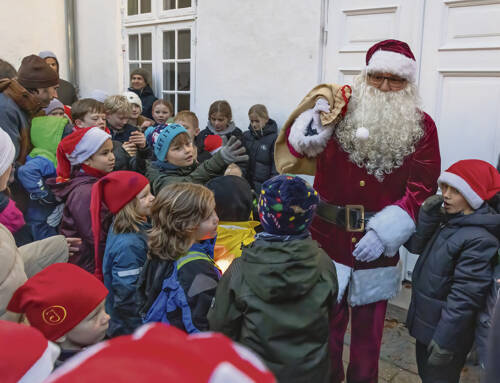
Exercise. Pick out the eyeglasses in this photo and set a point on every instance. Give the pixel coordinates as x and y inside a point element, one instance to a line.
<point>376,79</point>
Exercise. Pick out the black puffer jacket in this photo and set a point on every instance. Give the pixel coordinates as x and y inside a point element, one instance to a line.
<point>452,276</point>
<point>147,98</point>
<point>260,148</point>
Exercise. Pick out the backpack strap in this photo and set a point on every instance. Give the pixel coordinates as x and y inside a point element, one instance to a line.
<point>193,256</point>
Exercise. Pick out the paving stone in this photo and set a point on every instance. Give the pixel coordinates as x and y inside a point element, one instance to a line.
<point>387,370</point>
<point>406,377</point>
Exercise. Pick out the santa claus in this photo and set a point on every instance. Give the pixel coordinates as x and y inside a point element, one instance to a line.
<point>375,157</point>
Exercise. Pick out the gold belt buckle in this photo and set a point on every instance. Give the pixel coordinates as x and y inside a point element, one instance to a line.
<point>349,228</point>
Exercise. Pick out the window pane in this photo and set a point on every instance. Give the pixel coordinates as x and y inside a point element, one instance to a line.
<point>168,76</point>
<point>132,7</point>
<point>145,6</point>
<point>184,4</point>
<point>169,45</point>
<point>133,66</point>
<point>184,37</point>
<point>133,47</point>
<point>183,76</point>
<point>183,101</point>
<point>146,46</point>
<point>168,4</point>
<point>149,68</point>
<point>170,97</point>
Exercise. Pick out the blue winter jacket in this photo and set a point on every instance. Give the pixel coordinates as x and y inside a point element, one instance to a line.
<point>123,260</point>
<point>184,292</point>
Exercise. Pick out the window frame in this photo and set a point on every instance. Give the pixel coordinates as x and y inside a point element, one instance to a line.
<point>140,16</point>
<point>127,61</point>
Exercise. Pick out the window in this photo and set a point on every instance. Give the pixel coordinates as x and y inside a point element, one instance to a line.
<point>137,7</point>
<point>140,52</point>
<point>176,4</point>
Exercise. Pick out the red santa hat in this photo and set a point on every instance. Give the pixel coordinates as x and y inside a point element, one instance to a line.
<point>213,143</point>
<point>78,146</point>
<point>57,298</point>
<point>392,56</point>
<point>116,189</point>
<point>25,354</point>
<point>476,180</point>
<point>161,353</point>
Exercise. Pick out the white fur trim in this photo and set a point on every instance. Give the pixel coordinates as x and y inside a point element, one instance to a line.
<point>88,145</point>
<point>42,368</point>
<point>344,274</point>
<point>373,285</point>
<point>463,187</point>
<point>393,226</point>
<point>310,146</point>
<point>392,62</point>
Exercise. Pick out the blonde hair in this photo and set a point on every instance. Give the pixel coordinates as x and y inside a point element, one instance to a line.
<point>117,104</point>
<point>260,110</point>
<point>127,220</point>
<point>176,213</point>
<point>222,107</point>
<point>186,115</point>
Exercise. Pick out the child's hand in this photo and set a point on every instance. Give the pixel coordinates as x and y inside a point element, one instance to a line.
<point>130,148</point>
<point>432,205</point>
<point>146,124</point>
<point>138,139</point>
<point>73,245</point>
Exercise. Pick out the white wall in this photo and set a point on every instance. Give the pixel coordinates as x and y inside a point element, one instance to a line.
<point>99,45</point>
<point>259,51</point>
<point>28,27</point>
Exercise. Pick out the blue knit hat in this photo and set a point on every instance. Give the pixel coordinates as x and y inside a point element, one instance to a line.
<point>164,138</point>
<point>286,205</point>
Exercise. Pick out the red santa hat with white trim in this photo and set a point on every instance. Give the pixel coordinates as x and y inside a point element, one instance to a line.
<point>476,180</point>
<point>392,56</point>
<point>160,353</point>
<point>77,147</point>
<point>25,354</point>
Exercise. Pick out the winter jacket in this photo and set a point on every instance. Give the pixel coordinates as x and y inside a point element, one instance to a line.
<point>10,216</point>
<point>452,276</point>
<point>276,299</point>
<point>147,98</point>
<point>122,135</point>
<point>123,161</point>
<point>231,238</point>
<point>76,221</point>
<point>180,292</point>
<point>260,148</point>
<point>124,258</point>
<point>161,173</point>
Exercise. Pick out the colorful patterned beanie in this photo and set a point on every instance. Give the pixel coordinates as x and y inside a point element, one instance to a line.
<point>286,205</point>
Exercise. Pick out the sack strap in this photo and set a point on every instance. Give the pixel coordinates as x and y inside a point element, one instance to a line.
<point>193,256</point>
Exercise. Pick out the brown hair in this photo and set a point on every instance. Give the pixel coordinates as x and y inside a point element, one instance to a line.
<point>260,110</point>
<point>177,211</point>
<point>127,219</point>
<point>186,115</point>
<point>168,104</point>
<point>86,105</point>
<point>181,139</point>
<point>7,70</point>
<point>222,107</point>
<point>117,104</point>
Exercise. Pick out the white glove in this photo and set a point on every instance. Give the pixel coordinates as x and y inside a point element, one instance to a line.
<point>54,219</point>
<point>321,106</point>
<point>369,248</point>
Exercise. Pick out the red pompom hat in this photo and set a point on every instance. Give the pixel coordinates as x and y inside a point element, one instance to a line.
<point>76,147</point>
<point>116,189</point>
<point>392,56</point>
<point>476,180</point>
<point>213,143</point>
<point>57,298</point>
<point>25,354</point>
<point>161,353</point>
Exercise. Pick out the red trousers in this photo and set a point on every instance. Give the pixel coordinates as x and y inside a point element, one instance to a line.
<point>367,327</point>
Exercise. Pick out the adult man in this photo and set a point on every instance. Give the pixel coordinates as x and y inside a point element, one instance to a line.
<point>21,99</point>
<point>66,92</point>
<point>375,163</point>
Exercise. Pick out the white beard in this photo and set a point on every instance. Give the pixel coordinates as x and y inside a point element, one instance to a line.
<point>393,120</point>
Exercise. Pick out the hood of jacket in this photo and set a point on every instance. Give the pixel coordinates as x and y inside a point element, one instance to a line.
<point>281,271</point>
<point>230,127</point>
<point>146,91</point>
<point>46,133</point>
<point>270,128</point>
<point>485,217</point>
<point>167,168</point>
<point>63,189</point>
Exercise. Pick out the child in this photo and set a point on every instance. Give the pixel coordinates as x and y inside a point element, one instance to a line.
<point>163,112</point>
<point>176,163</point>
<point>127,196</point>
<point>82,158</point>
<point>189,121</point>
<point>259,142</point>
<point>233,205</point>
<point>276,298</point>
<point>136,118</point>
<point>87,113</point>
<point>55,108</point>
<point>66,304</point>
<point>453,273</point>
<point>179,278</point>
<point>220,122</point>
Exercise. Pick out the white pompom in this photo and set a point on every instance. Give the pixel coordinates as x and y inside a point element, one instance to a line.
<point>362,133</point>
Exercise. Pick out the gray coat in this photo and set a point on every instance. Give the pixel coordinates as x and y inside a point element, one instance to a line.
<point>12,120</point>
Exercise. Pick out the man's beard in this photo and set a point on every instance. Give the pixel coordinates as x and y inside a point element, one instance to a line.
<point>393,120</point>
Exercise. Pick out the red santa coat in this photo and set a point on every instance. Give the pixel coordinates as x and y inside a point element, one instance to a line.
<point>396,199</point>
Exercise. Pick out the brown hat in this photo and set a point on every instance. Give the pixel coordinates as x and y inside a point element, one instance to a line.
<point>142,72</point>
<point>34,72</point>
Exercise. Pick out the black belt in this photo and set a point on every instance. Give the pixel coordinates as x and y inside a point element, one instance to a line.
<point>352,218</point>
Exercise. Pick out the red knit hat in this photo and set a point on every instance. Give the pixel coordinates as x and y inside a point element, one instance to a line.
<point>213,143</point>
<point>116,189</point>
<point>161,353</point>
<point>25,354</point>
<point>476,180</point>
<point>392,56</point>
<point>78,146</point>
<point>57,298</point>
